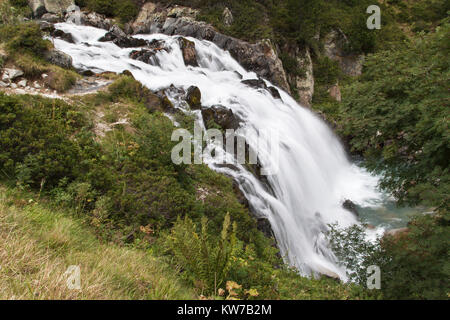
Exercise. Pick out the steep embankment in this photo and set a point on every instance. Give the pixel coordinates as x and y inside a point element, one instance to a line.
<point>39,242</point>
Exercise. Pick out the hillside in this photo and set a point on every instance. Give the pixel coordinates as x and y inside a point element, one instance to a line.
<point>87,176</point>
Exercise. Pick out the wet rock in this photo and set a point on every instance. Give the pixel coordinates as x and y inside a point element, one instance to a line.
<point>59,58</point>
<point>240,195</point>
<point>120,38</point>
<point>189,54</point>
<point>113,33</point>
<point>87,73</point>
<point>129,42</point>
<point>255,83</point>
<point>37,7</point>
<point>227,17</point>
<point>350,206</point>
<point>274,92</point>
<point>46,26</point>
<point>263,225</point>
<point>145,55</point>
<point>62,35</point>
<point>222,116</point>
<point>58,6</point>
<point>194,97</point>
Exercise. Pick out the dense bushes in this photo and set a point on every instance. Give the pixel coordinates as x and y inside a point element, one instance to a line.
<point>125,10</point>
<point>34,140</point>
<point>397,115</point>
<point>24,37</point>
<point>413,265</point>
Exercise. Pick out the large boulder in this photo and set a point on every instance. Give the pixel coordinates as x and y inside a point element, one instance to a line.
<point>97,20</point>
<point>194,97</point>
<point>58,6</point>
<point>57,33</point>
<point>222,116</point>
<point>255,83</point>
<point>260,84</point>
<point>146,56</point>
<point>10,74</point>
<point>113,33</point>
<point>59,58</point>
<point>37,7</point>
<point>120,38</point>
<point>189,54</point>
<point>350,206</point>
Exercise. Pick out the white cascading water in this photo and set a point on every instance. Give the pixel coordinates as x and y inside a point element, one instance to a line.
<point>314,175</point>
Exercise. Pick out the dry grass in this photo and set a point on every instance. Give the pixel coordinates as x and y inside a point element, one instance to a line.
<point>37,246</point>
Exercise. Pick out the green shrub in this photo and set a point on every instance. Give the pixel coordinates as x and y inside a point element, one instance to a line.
<point>24,38</point>
<point>203,257</point>
<point>413,265</point>
<point>396,114</point>
<point>34,140</point>
<point>125,10</point>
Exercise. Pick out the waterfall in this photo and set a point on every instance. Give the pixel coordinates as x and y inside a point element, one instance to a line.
<point>314,175</point>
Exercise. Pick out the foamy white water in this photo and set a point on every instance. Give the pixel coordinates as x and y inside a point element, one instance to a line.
<point>314,175</point>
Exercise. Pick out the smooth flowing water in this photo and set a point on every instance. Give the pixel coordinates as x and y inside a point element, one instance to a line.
<point>314,175</point>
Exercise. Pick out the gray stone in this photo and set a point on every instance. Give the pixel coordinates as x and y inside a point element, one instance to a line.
<point>335,93</point>
<point>13,86</point>
<point>189,54</point>
<point>58,6</point>
<point>11,74</point>
<point>98,21</point>
<point>222,116</point>
<point>350,206</point>
<point>194,97</point>
<point>59,58</point>
<point>51,17</point>
<point>227,17</point>
<point>334,44</point>
<point>22,83</point>
<point>37,7</point>
<point>3,84</point>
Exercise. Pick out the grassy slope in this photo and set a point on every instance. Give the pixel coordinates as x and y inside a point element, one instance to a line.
<point>38,243</point>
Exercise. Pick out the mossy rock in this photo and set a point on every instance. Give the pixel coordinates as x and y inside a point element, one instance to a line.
<point>194,97</point>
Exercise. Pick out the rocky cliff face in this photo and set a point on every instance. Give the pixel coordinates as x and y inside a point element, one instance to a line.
<point>334,45</point>
<point>40,7</point>
<point>260,57</point>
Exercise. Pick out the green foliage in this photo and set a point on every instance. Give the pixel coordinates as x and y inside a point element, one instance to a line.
<point>24,37</point>
<point>34,140</point>
<point>414,265</point>
<point>397,115</point>
<point>202,256</point>
<point>125,10</point>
